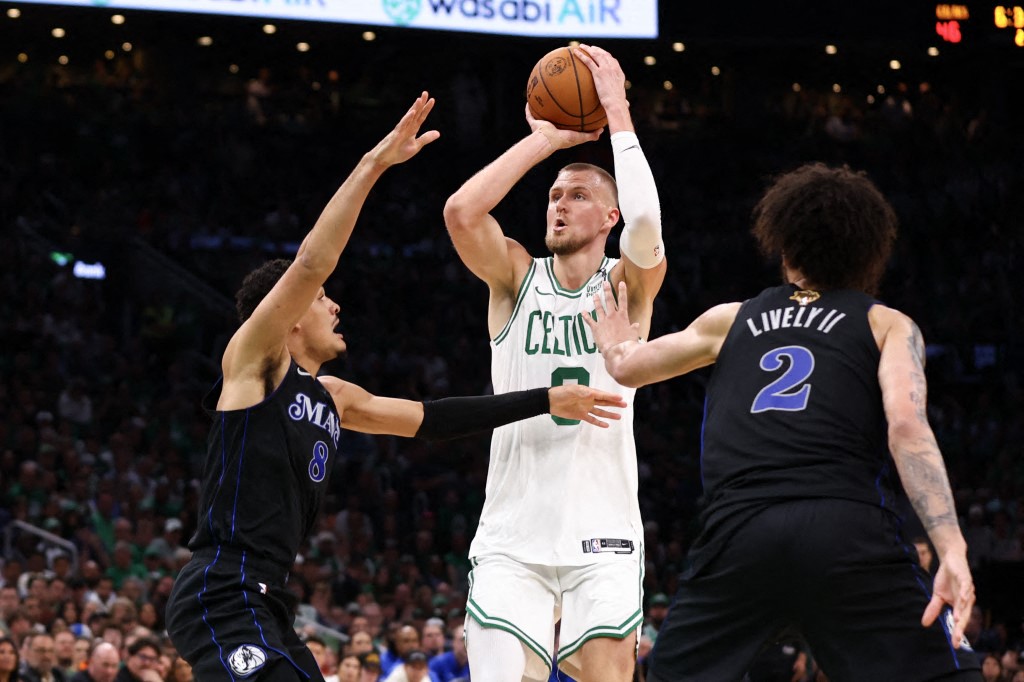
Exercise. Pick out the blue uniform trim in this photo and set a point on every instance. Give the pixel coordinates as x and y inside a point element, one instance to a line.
<point>213,635</point>
<point>220,481</point>
<point>256,622</point>
<point>238,477</point>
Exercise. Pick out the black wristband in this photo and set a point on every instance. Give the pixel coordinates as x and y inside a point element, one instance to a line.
<point>455,417</point>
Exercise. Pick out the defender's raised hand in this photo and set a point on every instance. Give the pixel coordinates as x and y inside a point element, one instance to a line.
<point>612,325</point>
<point>404,142</point>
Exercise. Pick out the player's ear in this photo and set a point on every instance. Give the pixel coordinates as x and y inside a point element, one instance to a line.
<point>613,217</point>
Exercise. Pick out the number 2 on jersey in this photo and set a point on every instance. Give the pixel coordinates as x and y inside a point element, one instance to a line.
<point>780,394</point>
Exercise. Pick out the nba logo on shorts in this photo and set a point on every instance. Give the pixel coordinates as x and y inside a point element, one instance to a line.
<point>595,546</point>
<point>246,659</point>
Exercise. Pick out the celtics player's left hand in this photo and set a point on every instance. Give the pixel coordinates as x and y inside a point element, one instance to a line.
<point>572,401</point>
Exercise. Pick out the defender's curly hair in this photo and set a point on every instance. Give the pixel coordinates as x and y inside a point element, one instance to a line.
<point>831,224</point>
<point>257,284</point>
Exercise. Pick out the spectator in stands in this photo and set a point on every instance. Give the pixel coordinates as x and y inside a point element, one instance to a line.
<point>369,667</point>
<point>64,652</point>
<point>40,663</point>
<point>325,657</point>
<point>657,609</point>
<point>454,664</point>
<point>406,639</point>
<point>9,662</point>
<point>1010,661</point>
<point>167,544</point>
<point>102,594</point>
<point>19,627</point>
<point>925,555</point>
<point>103,664</point>
<point>348,669</point>
<point>361,643</point>
<point>80,655</point>
<point>143,656</point>
<point>10,602</point>
<point>413,668</point>
<point>433,637</point>
<point>991,668</point>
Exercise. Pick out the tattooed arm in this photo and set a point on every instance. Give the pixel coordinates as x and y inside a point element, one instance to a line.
<point>919,461</point>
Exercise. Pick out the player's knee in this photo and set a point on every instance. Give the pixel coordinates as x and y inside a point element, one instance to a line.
<point>605,659</point>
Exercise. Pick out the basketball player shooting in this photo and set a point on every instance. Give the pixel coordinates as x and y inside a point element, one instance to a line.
<point>560,534</point>
<point>274,441</point>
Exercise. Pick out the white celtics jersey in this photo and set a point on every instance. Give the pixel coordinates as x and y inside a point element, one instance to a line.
<point>559,492</point>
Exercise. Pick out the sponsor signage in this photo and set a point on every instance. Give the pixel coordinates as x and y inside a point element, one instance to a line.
<point>566,18</point>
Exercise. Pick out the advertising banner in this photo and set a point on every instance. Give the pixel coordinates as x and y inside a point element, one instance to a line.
<point>565,18</point>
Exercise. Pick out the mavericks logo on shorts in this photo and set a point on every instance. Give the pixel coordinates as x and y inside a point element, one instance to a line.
<point>613,545</point>
<point>950,624</point>
<point>247,659</point>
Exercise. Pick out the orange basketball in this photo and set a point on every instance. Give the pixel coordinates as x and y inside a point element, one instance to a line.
<point>561,90</point>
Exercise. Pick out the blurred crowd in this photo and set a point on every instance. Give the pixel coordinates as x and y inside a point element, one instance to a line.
<point>179,188</point>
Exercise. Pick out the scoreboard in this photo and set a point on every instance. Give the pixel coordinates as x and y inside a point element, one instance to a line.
<point>984,23</point>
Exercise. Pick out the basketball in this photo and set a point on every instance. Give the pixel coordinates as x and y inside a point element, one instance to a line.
<point>561,90</point>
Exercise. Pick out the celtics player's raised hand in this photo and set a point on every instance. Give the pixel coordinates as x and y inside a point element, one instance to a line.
<point>572,401</point>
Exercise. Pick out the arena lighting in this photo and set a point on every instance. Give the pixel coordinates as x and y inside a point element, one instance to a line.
<point>61,258</point>
<point>84,270</point>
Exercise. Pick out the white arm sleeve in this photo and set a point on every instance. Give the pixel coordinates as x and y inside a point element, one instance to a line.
<point>641,240</point>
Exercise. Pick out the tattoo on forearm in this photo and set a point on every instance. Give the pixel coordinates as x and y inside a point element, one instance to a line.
<point>919,393</point>
<point>924,478</point>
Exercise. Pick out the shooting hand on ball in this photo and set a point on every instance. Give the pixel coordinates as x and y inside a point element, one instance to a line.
<point>559,138</point>
<point>609,80</point>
